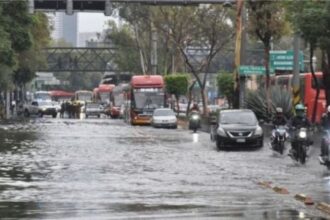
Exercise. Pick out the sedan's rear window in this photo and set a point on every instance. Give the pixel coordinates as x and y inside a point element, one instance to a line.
<point>163,113</point>
<point>245,118</point>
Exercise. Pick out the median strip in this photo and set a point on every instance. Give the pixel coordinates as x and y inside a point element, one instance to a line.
<point>305,199</point>
<point>280,190</point>
<point>265,184</point>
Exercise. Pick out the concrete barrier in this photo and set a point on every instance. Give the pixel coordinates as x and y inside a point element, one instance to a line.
<point>325,207</point>
<point>305,199</point>
<point>265,184</point>
<point>280,190</point>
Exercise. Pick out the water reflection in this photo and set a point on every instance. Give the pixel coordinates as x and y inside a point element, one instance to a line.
<point>195,137</point>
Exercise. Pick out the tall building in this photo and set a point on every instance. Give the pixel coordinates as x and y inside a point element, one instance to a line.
<point>85,37</point>
<point>65,27</point>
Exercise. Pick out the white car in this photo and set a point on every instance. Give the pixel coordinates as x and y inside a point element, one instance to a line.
<point>164,117</point>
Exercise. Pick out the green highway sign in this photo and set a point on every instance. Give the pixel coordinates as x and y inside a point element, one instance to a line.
<point>283,60</point>
<point>253,70</point>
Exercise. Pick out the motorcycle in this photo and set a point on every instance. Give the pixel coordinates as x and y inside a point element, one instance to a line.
<point>300,145</point>
<point>279,136</point>
<point>194,121</point>
<point>325,158</point>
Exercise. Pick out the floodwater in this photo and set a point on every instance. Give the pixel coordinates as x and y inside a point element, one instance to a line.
<point>106,169</point>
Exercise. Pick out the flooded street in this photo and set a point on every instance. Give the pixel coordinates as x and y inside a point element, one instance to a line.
<point>106,169</point>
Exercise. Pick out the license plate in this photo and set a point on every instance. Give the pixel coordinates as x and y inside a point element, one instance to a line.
<point>240,140</point>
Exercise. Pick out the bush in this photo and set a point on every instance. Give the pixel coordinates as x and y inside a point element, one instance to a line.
<point>256,101</point>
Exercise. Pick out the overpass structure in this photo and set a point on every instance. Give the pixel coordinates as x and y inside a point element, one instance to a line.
<point>78,59</point>
<point>70,6</point>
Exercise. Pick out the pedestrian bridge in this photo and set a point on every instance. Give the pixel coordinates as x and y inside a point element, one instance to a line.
<point>78,59</point>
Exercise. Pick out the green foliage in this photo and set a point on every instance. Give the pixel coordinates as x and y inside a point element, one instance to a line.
<point>256,101</point>
<point>266,20</point>
<point>31,59</point>
<point>312,20</point>
<point>22,36</point>
<point>126,56</point>
<point>225,82</point>
<point>176,84</point>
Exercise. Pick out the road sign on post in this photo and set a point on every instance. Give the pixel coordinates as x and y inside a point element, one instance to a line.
<point>253,70</point>
<point>283,60</point>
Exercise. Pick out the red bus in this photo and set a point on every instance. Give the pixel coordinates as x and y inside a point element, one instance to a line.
<point>307,92</point>
<point>60,96</point>
<point>147,94</point>
<point>103,93</point>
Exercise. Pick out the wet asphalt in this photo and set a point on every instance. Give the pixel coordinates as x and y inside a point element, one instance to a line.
<point>107,169</point>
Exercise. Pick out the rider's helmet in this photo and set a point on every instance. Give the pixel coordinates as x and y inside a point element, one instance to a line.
<point>279,111</point>
<point>300,110</point>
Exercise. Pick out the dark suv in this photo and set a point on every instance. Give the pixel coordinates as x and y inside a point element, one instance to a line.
<point>237,128</point>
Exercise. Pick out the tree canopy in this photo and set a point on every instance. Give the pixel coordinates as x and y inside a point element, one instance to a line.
<point>22,36</point>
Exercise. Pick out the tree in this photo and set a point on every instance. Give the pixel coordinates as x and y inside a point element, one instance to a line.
<point>126,55</point>
<point>177,85</point>
<point>31,59</point>
<point>312,20</point>
<point>266,21</point>
<point>304,22</point>
<point>225,84</point>
<point>199,33</point>
<point>325,47</point>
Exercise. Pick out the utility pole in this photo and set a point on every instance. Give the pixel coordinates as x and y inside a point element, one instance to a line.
<point>296,99</point>
<point>243,58</point>
<point>154,38</point>
<point>239,6</point>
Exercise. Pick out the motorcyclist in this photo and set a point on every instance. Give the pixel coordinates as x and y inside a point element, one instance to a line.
<point>193,112</point>
<point>299,121</point>
<point>194,108</point>
<point>326,119</point>
<point>325,122</point>
<point>279,118</point>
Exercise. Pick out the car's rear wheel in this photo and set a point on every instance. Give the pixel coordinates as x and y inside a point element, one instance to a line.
<point>54,115</point>
<point>219,143</point>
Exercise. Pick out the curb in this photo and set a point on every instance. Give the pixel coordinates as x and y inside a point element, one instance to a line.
<point>265,184</point>
<point>280,190</point>
<point>305,199</point>
<point>325,207</point>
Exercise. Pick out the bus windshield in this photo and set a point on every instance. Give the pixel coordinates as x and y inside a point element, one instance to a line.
<point>119,99</point>
<point>105,96</point>
<point>148,98</point>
